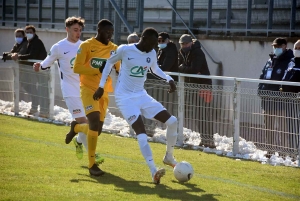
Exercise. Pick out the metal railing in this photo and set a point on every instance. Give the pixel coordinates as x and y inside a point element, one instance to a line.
<point>239,17</point>
<point>235,109</point>
<point>125,14</point>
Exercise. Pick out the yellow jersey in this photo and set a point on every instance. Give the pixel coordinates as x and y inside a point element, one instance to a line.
<point>89,58</point>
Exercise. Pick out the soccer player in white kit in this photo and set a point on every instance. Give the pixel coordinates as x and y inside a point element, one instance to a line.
<point>64,52</point>
<point>133,100</point>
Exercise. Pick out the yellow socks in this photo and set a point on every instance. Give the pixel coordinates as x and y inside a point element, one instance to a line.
<point>81,128</point>
<point>92,137</point>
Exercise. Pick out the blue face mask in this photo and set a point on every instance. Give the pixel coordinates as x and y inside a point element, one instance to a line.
<point>278,51</point>
<point>18,40</point>
<point>162,45</point>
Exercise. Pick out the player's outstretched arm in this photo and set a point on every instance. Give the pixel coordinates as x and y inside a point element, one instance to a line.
<point>106,71</point>
<point>50,59</point>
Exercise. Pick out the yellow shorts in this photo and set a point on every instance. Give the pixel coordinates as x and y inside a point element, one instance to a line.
<point>90,105</point>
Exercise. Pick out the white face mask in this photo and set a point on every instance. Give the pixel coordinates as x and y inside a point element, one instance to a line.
<point>296,53</point>
<point>162,45</point>
<point>29,36</point>
<point>278,51</point>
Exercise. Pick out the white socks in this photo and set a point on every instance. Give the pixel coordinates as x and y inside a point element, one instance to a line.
<point>81,138</point>
<point>171,134</point>
<point>146,151</point>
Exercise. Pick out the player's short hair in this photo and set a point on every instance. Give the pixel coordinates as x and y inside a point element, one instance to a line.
<point>133,37</point>
<point>30,27</point>
<point>103,23</point>
<point>150,31</point>
<point>20,31</point>
<point>74,20</point>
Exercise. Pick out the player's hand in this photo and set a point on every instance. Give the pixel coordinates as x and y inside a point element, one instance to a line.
<point>36,67</point>
<point>98,94</point>
<point>172,86</point>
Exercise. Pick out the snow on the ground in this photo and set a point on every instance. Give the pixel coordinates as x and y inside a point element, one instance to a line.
<point>224,145</point>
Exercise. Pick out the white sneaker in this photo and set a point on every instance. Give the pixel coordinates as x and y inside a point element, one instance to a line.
<point>169,160</point>
<point>158,174</point>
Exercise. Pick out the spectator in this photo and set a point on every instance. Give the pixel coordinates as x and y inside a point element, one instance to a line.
<point>292,74</point>
<point>36,84</point>
<point>191,60</point>
<point>271,102</point>
<point>20,46</point>
<point>133,38</point>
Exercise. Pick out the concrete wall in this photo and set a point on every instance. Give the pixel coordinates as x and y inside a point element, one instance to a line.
<point>240,58</point>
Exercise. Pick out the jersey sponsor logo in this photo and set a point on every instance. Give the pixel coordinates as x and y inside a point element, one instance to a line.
<point>130,58</point>
<point>131,118</point>
<point>72,62</point>
<point>79,51</point>
<point>66,52</point>
<point>76,111</point>
<point>93,50</point>
<point>138,71</point>
<point>148,59</point>
<point>87,108</point>
<point>97,62</point>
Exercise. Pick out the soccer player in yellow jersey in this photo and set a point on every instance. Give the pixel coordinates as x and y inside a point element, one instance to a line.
<point>89,63</point>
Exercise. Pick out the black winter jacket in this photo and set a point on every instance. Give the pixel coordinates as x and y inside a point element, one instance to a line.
<point>35,50</point>
<point>278,65</point>
<point>194,62</point>
<point>292,74</point>
<point>167,60</point>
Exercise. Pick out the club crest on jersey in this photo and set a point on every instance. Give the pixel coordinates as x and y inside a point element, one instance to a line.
<point>278,71</point>
<point>76,111</point>
<point>148,59</point>
<point>138,71</point>
<point>131,118</point>
<point>97,62</point>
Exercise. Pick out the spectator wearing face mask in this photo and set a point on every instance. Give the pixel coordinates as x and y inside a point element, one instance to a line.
<point>20,46</point>
<point>192,60</point>
<point>35,47</point>
<point>292,74</point>
<point>35,84</point>
<point>272,105</point>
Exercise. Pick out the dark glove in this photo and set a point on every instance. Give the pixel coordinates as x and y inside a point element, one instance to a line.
<point>98,94</point>
<point>102,66</point>
<point>172,86</point>
<point>4,56</point>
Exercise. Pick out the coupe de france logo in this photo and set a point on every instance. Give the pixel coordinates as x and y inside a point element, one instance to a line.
<point>148,60</point>
<point>79,51</point>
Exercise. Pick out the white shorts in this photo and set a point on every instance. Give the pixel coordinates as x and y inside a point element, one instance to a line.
<point>144,105</point>
<point>75,106</point>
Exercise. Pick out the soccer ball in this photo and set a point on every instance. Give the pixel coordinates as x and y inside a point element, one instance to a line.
<point>183,171</point>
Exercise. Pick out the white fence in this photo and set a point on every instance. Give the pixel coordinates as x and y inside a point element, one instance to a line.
<point>235,110</point>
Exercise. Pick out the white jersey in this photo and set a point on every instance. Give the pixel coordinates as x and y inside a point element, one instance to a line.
<point>133,72</point>
<point>64,52</point>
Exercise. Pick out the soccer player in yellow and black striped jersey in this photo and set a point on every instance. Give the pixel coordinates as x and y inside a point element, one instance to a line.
<point>89,63</point>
